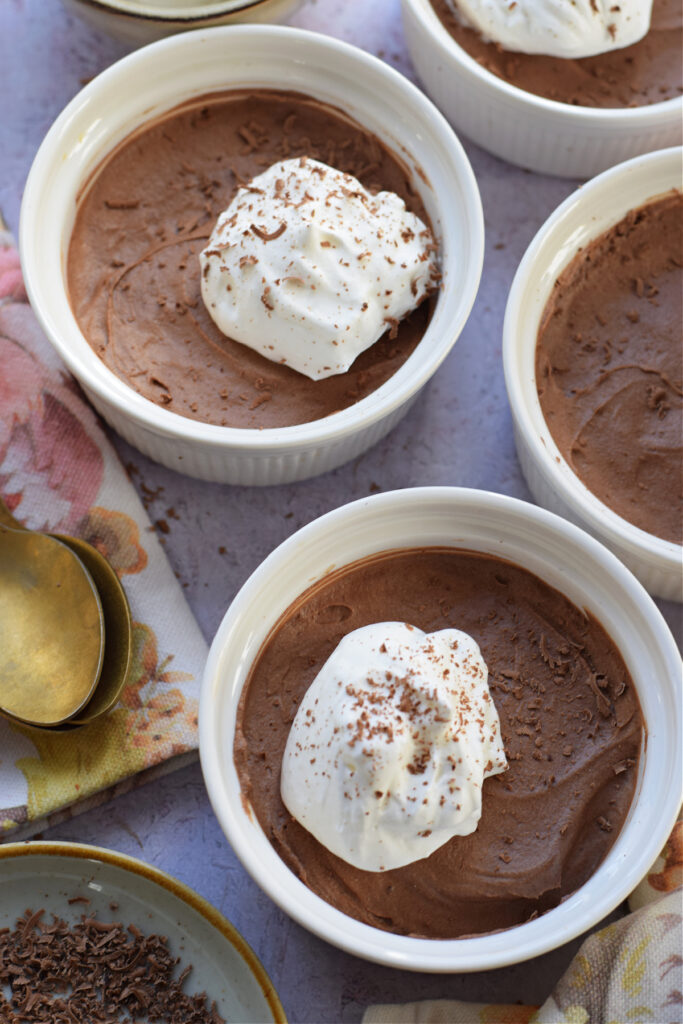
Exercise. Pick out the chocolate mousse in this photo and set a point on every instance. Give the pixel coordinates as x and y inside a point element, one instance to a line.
<point>133,263</point>
<point>609,366</point>
<point>570,722</point>
<point>647,72</point>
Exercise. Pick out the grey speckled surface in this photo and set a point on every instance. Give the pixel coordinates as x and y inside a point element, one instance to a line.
<point>458,432</point>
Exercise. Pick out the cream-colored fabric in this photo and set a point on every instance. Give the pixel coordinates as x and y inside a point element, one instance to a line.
<point>445,1011</point>
<point>665,875</point>
<point>628,973</point>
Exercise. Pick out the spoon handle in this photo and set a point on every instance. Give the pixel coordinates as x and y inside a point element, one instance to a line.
<point>7,519</point>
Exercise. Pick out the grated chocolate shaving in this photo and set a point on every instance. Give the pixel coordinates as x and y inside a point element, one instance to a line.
<point>92,973</point>
<point>265,236</point>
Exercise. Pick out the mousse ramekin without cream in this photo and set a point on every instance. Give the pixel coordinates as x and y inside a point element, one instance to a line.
<point>525,129</point>
<point>562,556</point>
<point>585,215</point>
<point>156,79</point>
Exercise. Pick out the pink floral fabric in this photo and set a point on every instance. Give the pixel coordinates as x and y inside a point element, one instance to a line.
<point>59,473</point>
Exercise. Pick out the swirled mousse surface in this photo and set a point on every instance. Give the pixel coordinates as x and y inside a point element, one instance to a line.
<point>570,723</point>
<point>647,72</point>
<point>133,262</point>
<point>609,367</point>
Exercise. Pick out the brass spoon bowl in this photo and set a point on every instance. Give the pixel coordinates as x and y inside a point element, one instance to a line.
<point>67,579</point>
<point>51,629</point>
<point>118,632</point>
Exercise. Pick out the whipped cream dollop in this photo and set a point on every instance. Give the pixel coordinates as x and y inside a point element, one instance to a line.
<point>558,28</point>
<point>391,743</point>
<point>309,268</point>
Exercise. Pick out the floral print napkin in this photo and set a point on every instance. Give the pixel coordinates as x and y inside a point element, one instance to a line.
<point>628,973</point>
<point>59,473</point>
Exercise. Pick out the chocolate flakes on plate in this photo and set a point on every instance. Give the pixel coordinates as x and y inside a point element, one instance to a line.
<point>92,972</point>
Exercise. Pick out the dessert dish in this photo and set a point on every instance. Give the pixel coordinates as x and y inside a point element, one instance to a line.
<point>502,538</point>
<point>601,444</point>
<point>569,720</point>
<point>145,293</point>
<point>649,70</point>
<point>609,366</point>
<point>325,74</point>
<point>569,116</point>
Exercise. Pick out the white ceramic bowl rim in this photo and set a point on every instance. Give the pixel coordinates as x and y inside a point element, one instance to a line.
<point>634,116</point>
<point>631,856</point>
<point>595,513</point>
<point>453,305</point>
<point>185,12</point>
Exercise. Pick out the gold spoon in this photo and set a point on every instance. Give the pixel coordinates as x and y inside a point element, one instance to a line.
<point>58,684</point>
<point>51,629</point>
<point>118,632</point>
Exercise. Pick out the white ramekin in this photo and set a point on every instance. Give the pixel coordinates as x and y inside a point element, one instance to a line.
<point>142,21</point>
<point>555,550</point>
<point>157,78</point>
<point>534,132</point>
<point>585,215</point>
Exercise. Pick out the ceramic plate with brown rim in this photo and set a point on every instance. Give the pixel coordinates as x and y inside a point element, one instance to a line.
<point>71,880</point>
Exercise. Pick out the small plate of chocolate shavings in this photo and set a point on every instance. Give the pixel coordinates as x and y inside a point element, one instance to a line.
<point>90,936</point>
